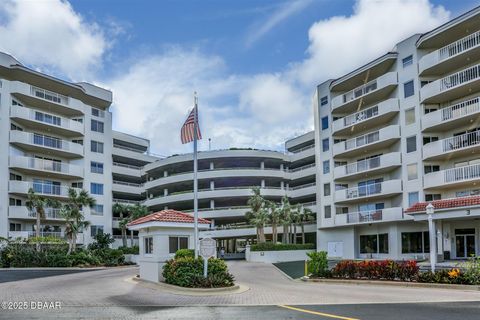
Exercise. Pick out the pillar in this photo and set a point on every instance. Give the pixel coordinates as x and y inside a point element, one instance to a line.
<point>262,183</point>
<point>262,165</point>
<point>165,192</point>
<point>212,185</point>
<point>165,173</point>
<point>212,204</point>
<point>212,166</point>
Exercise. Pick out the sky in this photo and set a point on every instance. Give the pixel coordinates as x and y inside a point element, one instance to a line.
<point>254,64</point>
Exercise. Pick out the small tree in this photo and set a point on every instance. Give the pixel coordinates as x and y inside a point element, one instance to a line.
<point>286,218</point>
<point>257,215</point>
<point>75,219</point>
<point>306,216</point>
<point>138,211</point>
<point>36,204</point>
<point>122,211</point>
<point>275,215</point>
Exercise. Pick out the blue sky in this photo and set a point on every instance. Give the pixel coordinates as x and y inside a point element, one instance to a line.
<point>254,63</point>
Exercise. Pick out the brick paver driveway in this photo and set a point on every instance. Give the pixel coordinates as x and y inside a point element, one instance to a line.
<point>267,286</point>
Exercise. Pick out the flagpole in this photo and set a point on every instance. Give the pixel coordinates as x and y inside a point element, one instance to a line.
<point>195,168</point>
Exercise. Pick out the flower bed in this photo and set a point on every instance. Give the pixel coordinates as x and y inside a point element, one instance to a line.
<point>373,269</point>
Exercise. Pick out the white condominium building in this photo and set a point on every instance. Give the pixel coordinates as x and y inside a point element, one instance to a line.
<point>395,134</point>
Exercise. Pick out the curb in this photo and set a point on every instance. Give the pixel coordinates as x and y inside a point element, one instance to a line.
<point>190,291</point>
<point>397,284</point>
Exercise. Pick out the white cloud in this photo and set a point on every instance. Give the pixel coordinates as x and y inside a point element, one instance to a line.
<point>52,37</point>
<point>341,43</point>
<point>278,16</point>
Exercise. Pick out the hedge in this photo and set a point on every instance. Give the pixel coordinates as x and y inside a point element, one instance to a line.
<point>269,246</point>
<point>377,269</point>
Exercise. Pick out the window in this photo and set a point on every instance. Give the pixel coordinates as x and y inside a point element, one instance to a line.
<point>97,126</point>
<point>341,210</point>
<point>46,186</point>
<point>97,210</point>
<point>15,227</point>
<point>428,110</point>
<point>96,188</point>
<point>407,61</point>
<point>98,113</point>
<point>148,247</point>
<point>94,230</point>
<point>325,123</point>
<point>15,202</point>
<point>326,166</point>
<point>327,212</point>
<point>48,118</point>
<point>326,189</point>
<point>340,163</point>
<point>325,144</point>
<point>412,171</point>
<point>15,177</point>
<point>341,186</point>
<point>14,127</point>
<point>408,89</point>
<point>78,185</point>
<point>96,167</point>
<point>427,140</point>
<point>410,116</point>
<point>431,168</point>
<point>323,101</point>
<point>411,144</point>
<point>433,197</point>
<point>412,198</point>
<point>415,242</point>
<point>374,243</point>
<point>96,146</point>
<point>177,243</point>
<point>78,141</point>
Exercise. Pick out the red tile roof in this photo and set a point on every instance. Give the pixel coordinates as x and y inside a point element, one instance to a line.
<point>168,216</point>
<point>446,203</point>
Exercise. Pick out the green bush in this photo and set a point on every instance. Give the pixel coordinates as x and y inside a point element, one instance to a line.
<point>318,264</point>
<point>472,270</point>
<point>185,253</point>
<point>109,257</point>
<point>129,250</point>
<point>188,272</point>
<point>102,241</point>
<point>270,246</point>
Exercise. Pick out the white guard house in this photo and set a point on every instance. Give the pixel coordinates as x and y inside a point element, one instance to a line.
<point>161,234</point>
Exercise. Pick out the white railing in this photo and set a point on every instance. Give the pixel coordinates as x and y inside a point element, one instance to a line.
<point>308,166</point>
<point>362,140</point>
<point>462,173</point>
<point>462,141</point>
<point>50,213</point>
<point>49,189</point>
<point>48,165</point>
<point>363,191</point>
<point>363,165</point>
<point>54,234</point>
<point>460,77</point>
<point>126,201</point>
<point>459,46</point>
<point>131,184</point>
<point>46,141</point>
<point>128,148</point>
<point>117,164</point>
<point>302,186</point>
<point>364,216</point>
<point>461,109</point>
<point>303,149</point>
<point>49,95</point>
<point>360,116</point>
<point>360,91</point>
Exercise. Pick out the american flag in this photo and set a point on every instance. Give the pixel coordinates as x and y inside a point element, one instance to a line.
<point>186,134</point>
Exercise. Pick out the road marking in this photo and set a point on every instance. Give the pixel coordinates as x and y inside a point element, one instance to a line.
<point>328,315</point>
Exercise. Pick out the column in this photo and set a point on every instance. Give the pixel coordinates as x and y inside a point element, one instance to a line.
<point>212,204</point>
<point>282,185</point>
<point>262,165</point>
<point>262,183</point>
<point>212,185</point>
<point>212,166</point>
<point>165,173</point>
<point>165,192</point>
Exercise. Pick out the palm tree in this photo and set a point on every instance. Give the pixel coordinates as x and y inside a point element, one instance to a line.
<point>123,211</point>
<point>36,204</point>
<point>286,218</point>
<point>72,212</point>
<point>137,211</point>
<point>295,218</point>
<point>275,215</point>
<point>257,215</point>
<point>306,216</point>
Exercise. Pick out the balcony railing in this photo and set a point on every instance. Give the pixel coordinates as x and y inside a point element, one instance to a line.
<point>461,109</point>
<point>50,213</point>
<point>360,116</point>
<point>459,46</point>
<point>132,202</point>
<point>461,141</point>
<point>460,77</point>
<point>360,91</point>
<point>130,184</point>
<point>117,164</point>
<point>55,234</point>
<point>363,165</point>
<point>48,95</point>
<point>363,191</point>
<point>302,149</point>
<point>364,216</point>
<point>462,173</point>
<point>362,140</point>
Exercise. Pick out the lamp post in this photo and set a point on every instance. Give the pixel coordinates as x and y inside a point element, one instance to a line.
<point>433,240</point>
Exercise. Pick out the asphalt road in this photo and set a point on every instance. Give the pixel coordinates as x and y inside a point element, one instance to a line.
<point>407,311</point>
<point>7,275</point>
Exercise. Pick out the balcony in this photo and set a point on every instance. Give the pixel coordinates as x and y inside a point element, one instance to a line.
<point>44,167</point>
<point>370,117</point>
<point>32,234</point>
<point>452,117</point>
<point>127,170</point>
<point>451,87</point>
<point>303,171</point>
<point>383,215</point>
<point>44,144</point>
<point>464,144</point>
<point>371,191</point>
<point>37,120</point>
<point>369,93</point>
<point>370,141</point>
<point>305,152</point>
<point>47,100</point>
<point>44,189</point>
<point>127,187</point>
<point>367,167</point>
<point>467,176</point>
<point>302,190</point>
<point>22,212</point>
<point>221,212</point>
<point>132,153</point>
<point>243,229</point>
<point>127,202</point>
<point>451,56</point>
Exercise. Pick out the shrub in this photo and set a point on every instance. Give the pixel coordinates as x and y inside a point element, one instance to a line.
<point>472,270</point>
<point>185,253</point>
<point>102,241</point>
<point>108,257</point>
<point>372,269</point>
<point>188,272</point>
<point>129,250</point>
<point>270,246</point>
<point>318,264</point>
